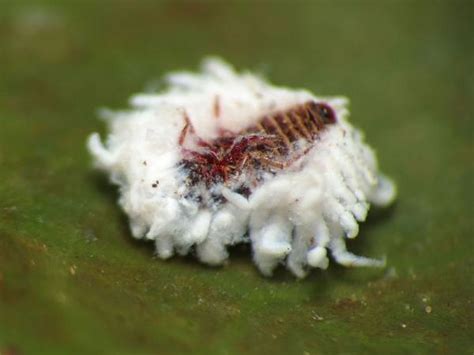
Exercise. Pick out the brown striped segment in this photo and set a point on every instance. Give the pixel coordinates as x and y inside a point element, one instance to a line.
<point>284,137</point>
<point>260,127</point>
<point>299,125</point>
<point>268,126</point>
<point>304,121</point>
<point>314,117</point>
<point>291,127</point>
<point>285,127</point>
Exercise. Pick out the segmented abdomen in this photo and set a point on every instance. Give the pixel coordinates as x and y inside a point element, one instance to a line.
<point>304,122</point>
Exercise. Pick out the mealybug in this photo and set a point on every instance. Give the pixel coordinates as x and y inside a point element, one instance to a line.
<point>221,158</point>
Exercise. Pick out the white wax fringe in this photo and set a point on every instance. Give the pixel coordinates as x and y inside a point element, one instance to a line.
<point>291,218</point>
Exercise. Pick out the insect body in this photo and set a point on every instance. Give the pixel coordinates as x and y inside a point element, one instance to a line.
<point>270,145</point>
<point>222,158</point>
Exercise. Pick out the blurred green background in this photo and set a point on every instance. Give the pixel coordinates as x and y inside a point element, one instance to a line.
<point>73,281</point>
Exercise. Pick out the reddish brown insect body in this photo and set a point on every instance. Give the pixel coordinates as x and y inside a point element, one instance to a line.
<point>272,144</point>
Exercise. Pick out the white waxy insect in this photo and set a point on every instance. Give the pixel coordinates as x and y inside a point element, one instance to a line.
<point>221,158</point>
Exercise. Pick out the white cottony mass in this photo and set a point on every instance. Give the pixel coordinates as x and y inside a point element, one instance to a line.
<point>222,157</point>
